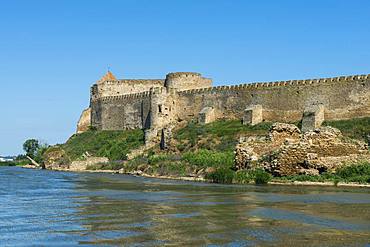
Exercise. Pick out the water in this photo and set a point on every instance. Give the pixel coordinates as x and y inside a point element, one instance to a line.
<point>45,208</point>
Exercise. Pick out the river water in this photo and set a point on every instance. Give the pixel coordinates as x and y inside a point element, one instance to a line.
<point>48,208</point>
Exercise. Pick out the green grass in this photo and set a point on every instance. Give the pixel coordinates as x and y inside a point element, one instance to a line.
<point>114,145</point>
<point>220,135</point>
<point>221,175</point>
<point>359,172</point>
<point>357,128</point>
<point>206,158</point>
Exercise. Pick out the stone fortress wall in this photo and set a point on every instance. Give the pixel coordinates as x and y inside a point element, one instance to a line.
<point>158,105</point>
<point>286,101</point>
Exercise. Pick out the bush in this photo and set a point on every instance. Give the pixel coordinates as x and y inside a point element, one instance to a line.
<point>261,177</point>
<point>221,175</point>
<point>243,177</point>
<point>359,169</point>
<point>206,158</point>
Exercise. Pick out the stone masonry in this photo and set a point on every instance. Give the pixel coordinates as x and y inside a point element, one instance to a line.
<point>159,104</point>
<point>287,151</point>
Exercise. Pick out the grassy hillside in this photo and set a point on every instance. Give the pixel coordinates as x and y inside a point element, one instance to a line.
<point>198,149</point>
<point>218,136</point>
<point>111,144</point>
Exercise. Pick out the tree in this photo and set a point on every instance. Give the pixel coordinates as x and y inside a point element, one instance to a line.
<point>31,147</point>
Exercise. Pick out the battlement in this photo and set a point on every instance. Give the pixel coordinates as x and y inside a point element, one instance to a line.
<point>122,97</point>
<point>183,75</point>
<point>247,86</point>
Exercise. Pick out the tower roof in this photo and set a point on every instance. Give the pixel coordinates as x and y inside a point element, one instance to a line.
<point>108,77</point>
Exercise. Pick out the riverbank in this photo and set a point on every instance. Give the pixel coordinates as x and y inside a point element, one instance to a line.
<point>203,153</point>
<point>200,179</point>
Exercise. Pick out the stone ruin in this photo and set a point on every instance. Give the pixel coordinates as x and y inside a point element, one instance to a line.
<point>288,151</point>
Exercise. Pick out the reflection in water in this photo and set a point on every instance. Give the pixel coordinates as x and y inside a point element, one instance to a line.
<point>43,207</point>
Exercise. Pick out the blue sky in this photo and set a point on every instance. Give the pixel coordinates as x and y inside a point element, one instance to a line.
<point>52,51</point>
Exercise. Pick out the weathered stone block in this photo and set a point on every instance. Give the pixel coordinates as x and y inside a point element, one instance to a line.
<point>313,117</point>
<point>207,115</point>
<point>253,115</point>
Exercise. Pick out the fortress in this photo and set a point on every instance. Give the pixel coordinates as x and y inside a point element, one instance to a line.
<point>158,105</point>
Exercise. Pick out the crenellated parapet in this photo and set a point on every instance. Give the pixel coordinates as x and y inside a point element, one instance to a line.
<point>122,97</point>
<point>183,75</point>
<point>248,86</point>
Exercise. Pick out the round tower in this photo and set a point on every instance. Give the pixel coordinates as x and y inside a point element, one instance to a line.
<point>186,81</point>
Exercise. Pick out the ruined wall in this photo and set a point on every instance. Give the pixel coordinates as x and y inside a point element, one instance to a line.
<point>121,112</point>
<point>342,97</point>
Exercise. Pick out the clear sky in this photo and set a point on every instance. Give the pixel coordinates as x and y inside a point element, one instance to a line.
<point>51,52</point>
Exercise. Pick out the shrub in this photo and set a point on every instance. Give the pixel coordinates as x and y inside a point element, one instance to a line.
<point>261,177</point>
<point>221,175</point>
<point>206,158</point>
<point>243,177</point>
<point>354,170</point>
